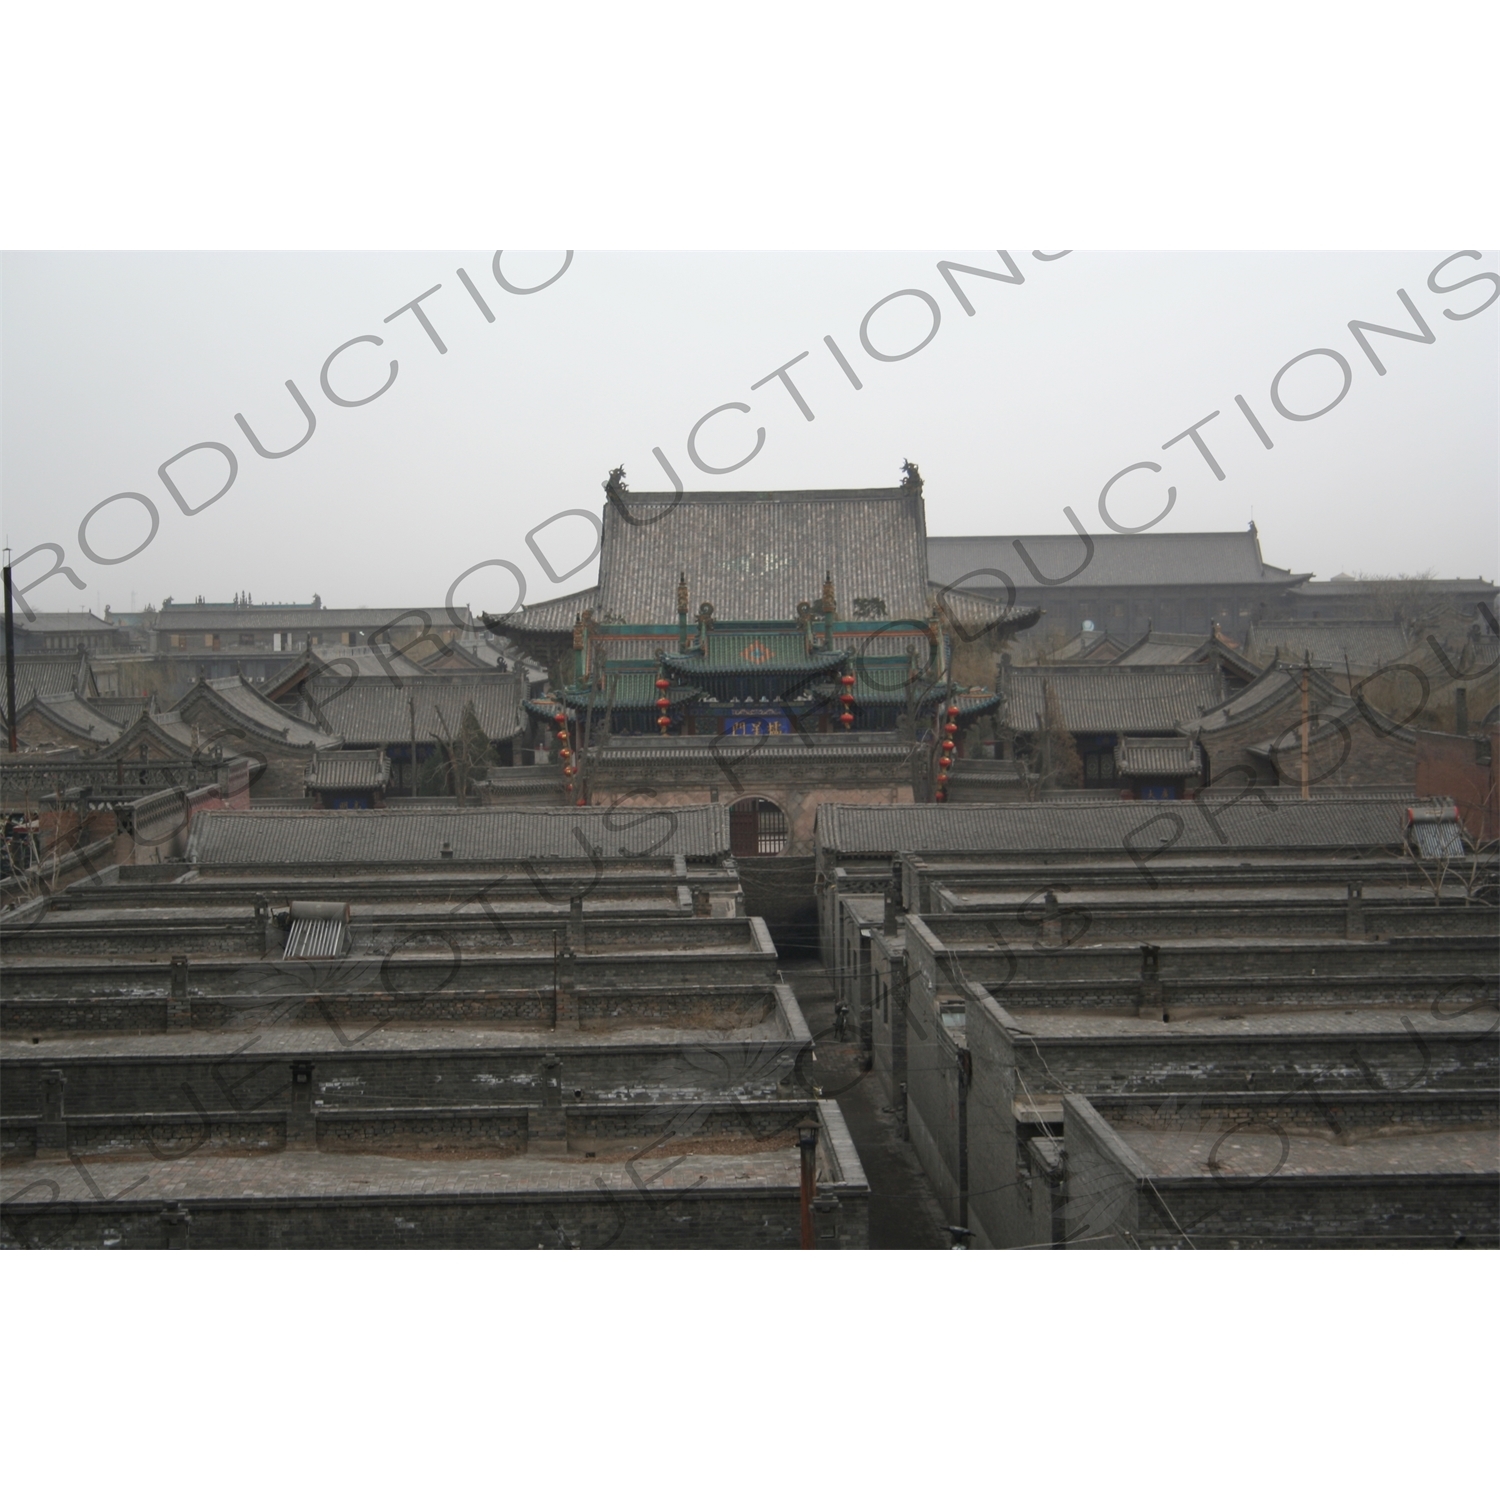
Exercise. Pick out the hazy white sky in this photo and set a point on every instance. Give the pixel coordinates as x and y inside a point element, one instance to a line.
<point>113,363</point>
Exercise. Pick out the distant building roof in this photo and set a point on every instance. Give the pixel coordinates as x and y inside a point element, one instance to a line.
<point>1273,683</point>
<point>1154,559</point>
<point>376,711</point>
<point>1328,643</point>
<point>223,617</point>
<point>1112,699</point>
<point>46,676</point>
<point>56,622</point>
<point>367,661</point>
<point>757,554</point>
<point>71,714</point>
<point>241,702</point>
<point>1206,824</point>
<point>479,833</point>
<point>1088,645</point>
<point>1342,586</point>
<point>1160,648</point>
<point>550,617</point>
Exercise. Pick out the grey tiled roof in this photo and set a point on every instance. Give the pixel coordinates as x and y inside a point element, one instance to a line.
<point>228,617</point>
<point>996,773</point>
<point>1175,756</point>
<point>973,614</point>
<point>757,554</point>
<point>367,661</point>
<point>1275,682</point>
<point>1154,558</point>
<point>550,616</point>
<point>376,711</point>
<point>347,770</point>
<point>1205,825</point>
<point>72,714</point>
<point>1114,699</point>
<point>239,701</point>
<point>46,676</point>
<point>1160,648</point>
<point>1364,642</point>
<point>58,622</point>
<point>1084,645</point>
<point>478,833</point>
<point>122,711</point>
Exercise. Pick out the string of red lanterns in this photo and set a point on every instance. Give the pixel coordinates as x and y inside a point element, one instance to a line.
<point>945,760</point>
<point>847,699</point>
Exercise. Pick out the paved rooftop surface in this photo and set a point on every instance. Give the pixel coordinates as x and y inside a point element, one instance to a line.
<point>1013,895</point>
<point>1371,1022</point>
<point>1254,1153</point>
<point>369,1038</point>
<point>365,912</point>
<point>301,1174</point>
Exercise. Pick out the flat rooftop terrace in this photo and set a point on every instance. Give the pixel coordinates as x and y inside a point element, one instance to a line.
<point>1075,1026</point>
<point>289,1175</point>
<point>316,1039</point>
<point>961,899</point>
<point>1221,1149</point>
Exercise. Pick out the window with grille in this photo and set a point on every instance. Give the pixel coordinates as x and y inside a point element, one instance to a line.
<point>756,827</point>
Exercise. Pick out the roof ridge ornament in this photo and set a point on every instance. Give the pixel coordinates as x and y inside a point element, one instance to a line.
<point>911,477</point>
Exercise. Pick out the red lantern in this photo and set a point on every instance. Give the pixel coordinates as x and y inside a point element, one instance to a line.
<point>664,682</point>
<point>570,770</point>
<point>947,744</point>
<point>945,761</point>
<point>559,718</point>
<point>663,721</point>
<point>663,702</point>
<point>940,795</point>
<point>847,681</point>
<point>846,719</point>
<point>942,778</point>
<point>562,734</point>
<point>583,802</point>
<point>846,697</point>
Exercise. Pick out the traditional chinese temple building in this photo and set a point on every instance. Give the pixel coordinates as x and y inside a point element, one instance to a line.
<point>801,620</point>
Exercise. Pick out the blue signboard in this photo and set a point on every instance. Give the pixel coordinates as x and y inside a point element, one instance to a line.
<point>757,721</point>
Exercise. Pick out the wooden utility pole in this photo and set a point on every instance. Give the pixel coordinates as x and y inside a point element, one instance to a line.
<point>411,708</point>
<point>10,659</point>
<point>1305,792</point>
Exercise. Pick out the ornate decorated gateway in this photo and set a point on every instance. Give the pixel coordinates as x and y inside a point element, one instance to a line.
<point>781,614</point>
